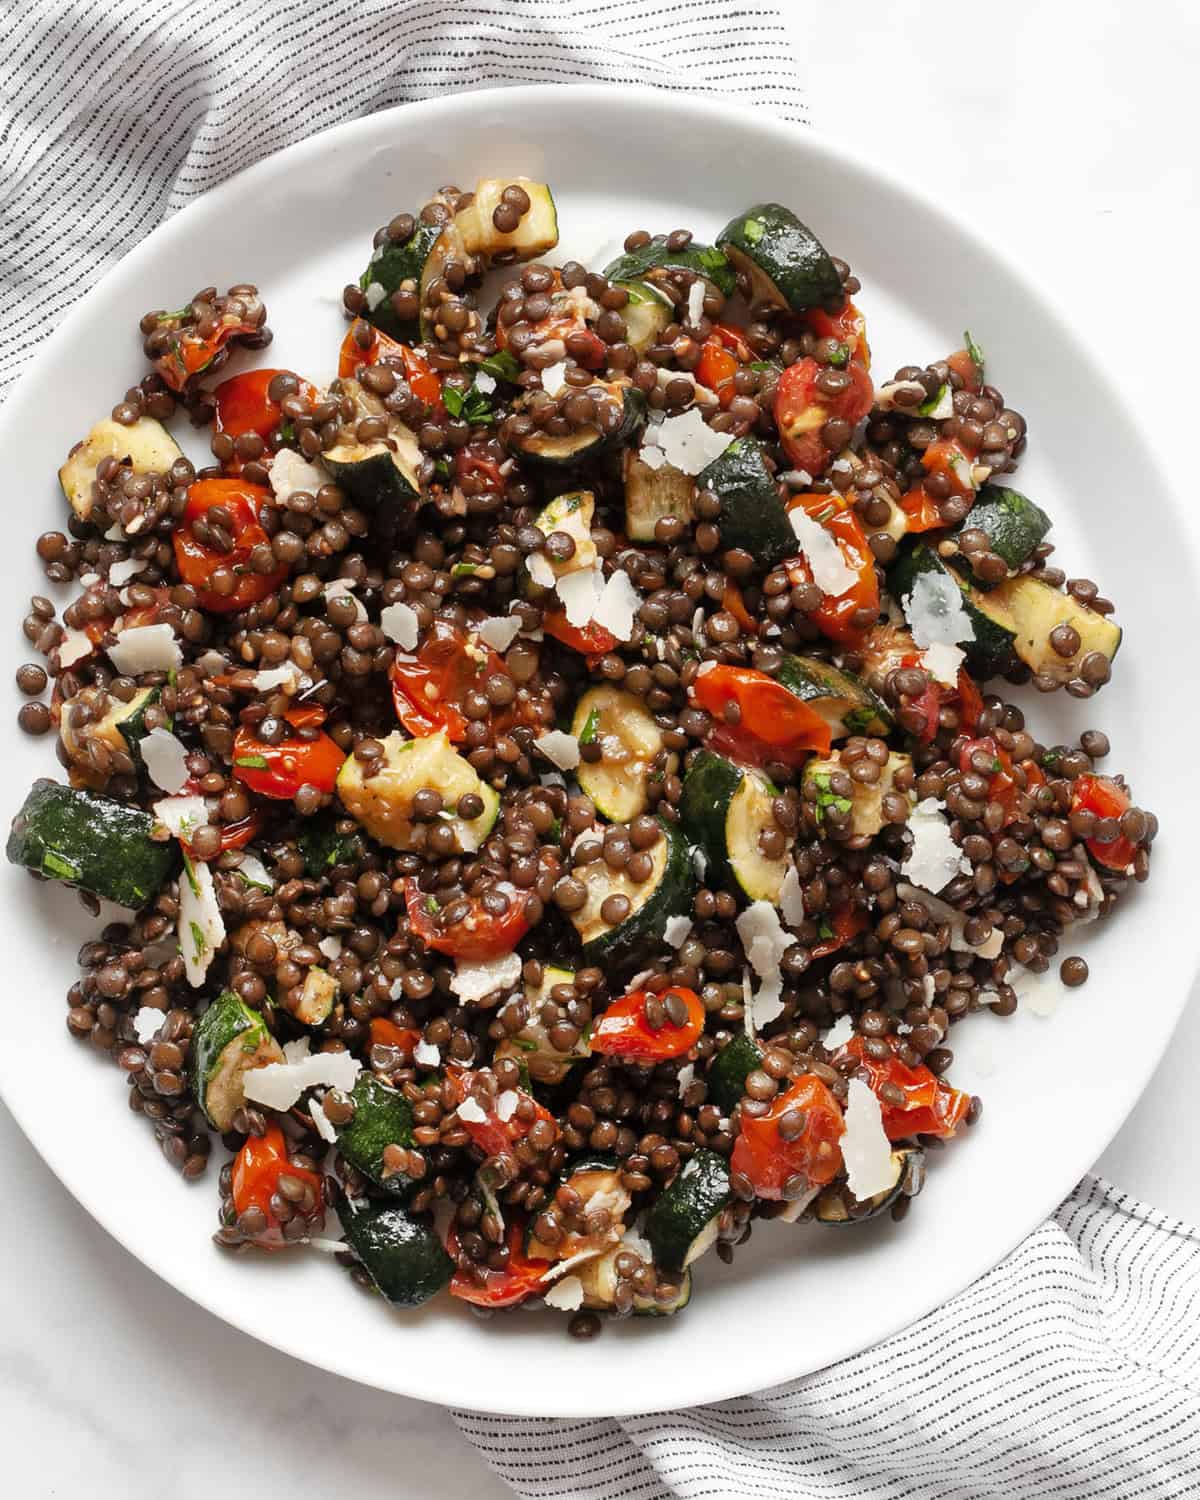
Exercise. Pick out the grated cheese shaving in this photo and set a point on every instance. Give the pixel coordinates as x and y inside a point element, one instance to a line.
<point>580,593</point>
<point>686,442</point>
<point>838,1034</point>
<point>618,606</point>
<point>935,613</point>
<point>506,1104</point>
<point>180,815</point>
<point>830,571</point>
<point>676,930</point>
<point>290,473</point>
<point>165,759</point>
<point>201,927</point>
<point>146,1024</point>
<point>554,378</point>
<point>559,748</point>
<point>144,648</point>
<point>566,1295</point>
<point>935,858</point>
<point>540,571</point>
<point>279,1085</point>
<point>498,633</point>
<point>122,572</point>
<point>791,898</point>
<point>866,1149</point>
<point>427,1055</point>
<point>399,623</point>
<point>474,981</point>
<point>75,645</point>
<point>470,1111</point>
<point>942,662</point>
<point>325,1129</point>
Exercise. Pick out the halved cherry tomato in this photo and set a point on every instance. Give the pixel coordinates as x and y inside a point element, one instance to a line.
<point>521,1277</point>
<point>769,1163</point>
<point>724,353</point>
<point>280,770</point>
<point>243,405</point>
<point>845,923</point>
<point>930,1106</point>
<point>480,934</point>
<point>233,835</point>
<point>494,1136</point>
<point>848,326</point>
<point>385,1033</point>
<point>423,380</point>
<point>962,362</point>
<point>188,354</point>
<point>970,706</point>
<point>590,639</point>
<point>428,689</point>
<point>920,510</point>
<point>734,604</point>
<point>471,463</point>
<point>566,318</point>
<point>1004,787</point>
<point>623,1030</point>
<point>1101,795</point>
<point>802,409</point>
<point>197,562</point>
<point>835,616</point>
<point>948,457</point>
<point>772,723</point>
<point>965,695</point>
<point>257,1168</point>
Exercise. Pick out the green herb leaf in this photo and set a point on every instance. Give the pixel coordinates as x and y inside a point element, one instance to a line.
<point>976,354</point>
<point>840,356</point>
<point>252,762</point>
<point>927,408</point>
<point>463,570</point>
<point>753,229</point>
<point>441,468</point>
<point>555,830</point>
<point>825,930</point>
<point>477,408</point>
<point>524,1045</point>
<point>190,870</point>
<point>432,905</point>
<point>452,400</point>
<point>62,869</point>
<point>713,259</point>
<point>198,940</point>
<point>502,366</point>
<point>591,723</point>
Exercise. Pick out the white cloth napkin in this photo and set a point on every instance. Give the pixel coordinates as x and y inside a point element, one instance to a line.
<point>1070,1371</point>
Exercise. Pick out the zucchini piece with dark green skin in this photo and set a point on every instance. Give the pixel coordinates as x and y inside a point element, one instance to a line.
<point>382,1117</point>
<point>646,314</point>
<point>667,893</point>
<point>383,476</point>
<point>228,1041</point>
<point>651,1307</point>
<point>724,809</point>
<point>629,739</point>
<point>649,261</point>
<point>1013,525</point>
<point>726,1078</point>
<point>1032,610</point>
<point>753,518</point>
<point>599,1280</point>
<point>91,842</point>
<point>846,704</point>
<point>992,633</point>
<point>402,1255</point>
<point>836,1205</point>
<point>586,443</point>
<point>571,513</point>
<point>785,262</point>
<point>123,727</point>
<point>397,268</point>
<point>531,1048</point>
<point>145,445</point>
<point>653,494</point>
<point>682,1223</point>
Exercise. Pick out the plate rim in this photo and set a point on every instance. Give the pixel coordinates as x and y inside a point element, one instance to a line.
<point>786,136</point>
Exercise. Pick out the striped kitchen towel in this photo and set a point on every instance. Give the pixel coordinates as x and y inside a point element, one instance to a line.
<point>1070,1372</point>
<point>114,115</point>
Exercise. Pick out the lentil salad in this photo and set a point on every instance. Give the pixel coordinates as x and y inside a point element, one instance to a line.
<point>697,834</point>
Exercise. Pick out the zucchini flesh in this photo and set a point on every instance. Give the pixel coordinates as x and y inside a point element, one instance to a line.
<point>403,1256</point>
<point>651,1307</point>
<point>397,268</point>
<point>724,809</point>
<point>646,314</point>
<point>92,842</point>
<point>383,476</point>
<point>382,1117</point>
<point>629,739</point>
<point>146,446</point>
<point>597,1180</point>
<point>1013,524</point>
<point>598,1277</point>
<point>837,1206</point>
<point>571,514</point>
<point>1032,609</point>
<point>384,803</point>
<point>726,1078</point>
<point>667,893</point>
<point>649,262</point>
<point>865,803</point>
<point>652,494</point>
<point>123,728</point>
<point>846,704</point>
<point>228,1041</point>
<point>589,442</point>
<point>532,1048</point>
<point>992,631</point>
<point>753,517</point>
<point>786,263</point>
<point>535,234</point>
<point>682,1223</point>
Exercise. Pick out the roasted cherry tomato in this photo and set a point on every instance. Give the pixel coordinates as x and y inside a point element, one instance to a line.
<point>723,354</point>
<point>280,770</point>
<point>474,463</point>
<point>624,1029</point>
<point>233,835</point>
<point>566,322</point>
<point>966,363</point>
<point>930,1107</point>
<point>778,1168</point>
<point>987,758</point>
<point>243,405</point>
<point>429,688</point>
<point>480,934</point>
<point>802,409</point>
<point>769,722</point>
<point>837,616</point>
<point>920,510</point>
<point>848,327</point>
<point>494,1135</point>
<point>590,639</point>
<point>845,924</point>
<point>965,696</point>
<point>188,354</point>
<point>1101,795</point>
<point>257,1168</point>
<point>520,1278</point>
<point>733,603</point>
<point>949,458</point>
<point>385,1033</point>
<point>197,561</point>
<point>365,345</point>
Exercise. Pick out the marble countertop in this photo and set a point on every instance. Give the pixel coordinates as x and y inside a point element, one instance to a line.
<point>1070,131</point>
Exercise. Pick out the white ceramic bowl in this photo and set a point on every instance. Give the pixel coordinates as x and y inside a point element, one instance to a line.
<point>1056,1090</point>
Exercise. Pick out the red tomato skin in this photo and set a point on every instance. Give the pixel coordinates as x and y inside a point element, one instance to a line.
<point>930,1106</point>
<point>197,562</point>
<point>589,640</point>
<point>767,1161</point>
<point>520,1279</point>
<point>385,1033</point>
<point>802,410</point>
<point>774,723</point>
<point>257,1169</point>
<point>835,617</point>
<point>494,1136</point>
<point>479,936</point>
<point>1102,796</point>
<point>290,764</point>
<point>623,1031</point>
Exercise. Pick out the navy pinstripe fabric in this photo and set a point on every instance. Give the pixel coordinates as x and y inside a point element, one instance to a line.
<point>1070,1372</point>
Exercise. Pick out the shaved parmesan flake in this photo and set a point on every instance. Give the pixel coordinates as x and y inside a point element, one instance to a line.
<point>935,858</point>
<point>791,898</point>
<point>580,594</point>
<point>145,648</point>
<point>559,748</point>
<point>552,778</point>
<point>287,676</point>
<point>165,758</point>
<point>115,533</point>
<point>331,947</point>
<point>554,378</point>
<point>474,981</point>
<point>399,623</point>
<point>540,571</point>
<point>866,1150</point>
<point>955,920</point>
<point>566,1295</point>
<point>942,662</point>
<point>763,938</point>
<point>687,442</point>
<point>325,1129</point>
<point>470,1111</point>
<point>213,663</point>
<point>254,872</point>
<point>1041,994</point>
<point>676,930</point>
<point>426,1055</point>
<point>343,588</point>
<point>695,302</point>
<point>374,294</point>
<point>201,927</point>
<point>498,633</point>
<point>838,1034</point>
<point>297,1050</point>
<point>685,1078</point>
<point>506,1104</point>
<point>632,1240</point>
<point>484,382</point>
<point>122,572</point>
<point>934,610</point>
<point>653,456</point>
<point>290,473</point>
<point>618,606</point>
<point>831,573</point>
<point>180,815</point>
<point>279,1085</point>
<point>75,645</point>
<point>146,1024</point>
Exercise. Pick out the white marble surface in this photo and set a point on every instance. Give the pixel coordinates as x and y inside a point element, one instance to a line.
<point>1070,130</point>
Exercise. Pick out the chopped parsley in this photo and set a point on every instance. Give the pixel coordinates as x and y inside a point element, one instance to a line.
<point>501,366</point>
<point>976,354</point>
<point>199,942</point>
<point>753,229</point>
<point>190,868</point>
<point>472,405</point>
<point>54,864</point>
<point>251,762</point>
<point>840,356</point>
<point>588,733</point>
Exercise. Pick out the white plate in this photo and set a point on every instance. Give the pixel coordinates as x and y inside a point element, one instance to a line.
<point>300,226</point>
